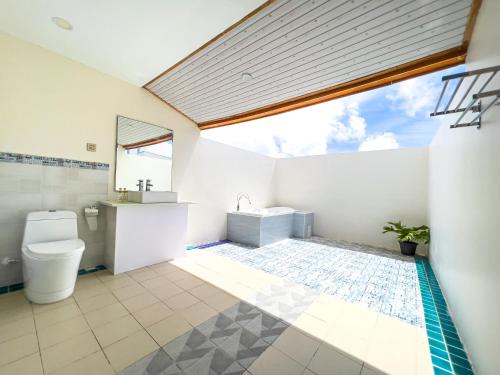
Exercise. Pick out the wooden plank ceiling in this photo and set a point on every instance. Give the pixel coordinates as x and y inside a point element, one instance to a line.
<point>292,53</point>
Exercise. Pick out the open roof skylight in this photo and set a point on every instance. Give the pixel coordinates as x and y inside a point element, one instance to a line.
<point>300,53</point>
<point>390,117</point>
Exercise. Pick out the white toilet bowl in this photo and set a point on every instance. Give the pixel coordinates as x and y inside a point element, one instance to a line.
<point>50,269</point>
<point>51,255</point>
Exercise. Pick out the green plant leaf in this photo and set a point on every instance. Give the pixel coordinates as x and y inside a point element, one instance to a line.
<point>408,234</point>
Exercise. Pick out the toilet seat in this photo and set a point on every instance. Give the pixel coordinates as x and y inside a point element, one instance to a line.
<point>55,249</point>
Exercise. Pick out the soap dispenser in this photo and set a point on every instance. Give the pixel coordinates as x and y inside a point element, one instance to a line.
<point>122,195</point>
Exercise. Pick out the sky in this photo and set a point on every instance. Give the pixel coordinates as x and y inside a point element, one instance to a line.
<point>390,117</point>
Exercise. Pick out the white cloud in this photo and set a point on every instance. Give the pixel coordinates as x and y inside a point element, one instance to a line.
<point>354,129</point>
<point>385,141</point>
<point>306,131</point>
<point>415,96</point>
<point>339,123</point>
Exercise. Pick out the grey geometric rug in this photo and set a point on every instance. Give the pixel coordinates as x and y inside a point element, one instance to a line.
<point>228,344</point>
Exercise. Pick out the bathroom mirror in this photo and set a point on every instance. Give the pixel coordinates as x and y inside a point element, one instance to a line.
<point>143,151</point>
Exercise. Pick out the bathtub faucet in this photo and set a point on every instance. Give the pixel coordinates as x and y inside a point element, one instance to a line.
<point>238,198</point>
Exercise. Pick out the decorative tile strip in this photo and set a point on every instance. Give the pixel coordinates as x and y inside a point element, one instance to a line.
<point>448,355</point>
<point>19,286</point>
<point>9,157</point>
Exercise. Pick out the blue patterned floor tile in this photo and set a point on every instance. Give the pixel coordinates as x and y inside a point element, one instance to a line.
<point>384,281</point>
<point>381,280</point>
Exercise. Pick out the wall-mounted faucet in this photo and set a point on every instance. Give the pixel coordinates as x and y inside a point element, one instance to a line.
<point>238,198</point>
<point>140,184</point>
<point>148,185</point>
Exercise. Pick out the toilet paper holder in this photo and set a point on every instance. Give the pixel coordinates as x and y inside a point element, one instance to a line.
<point>91,214</point>
<point>91,211</point>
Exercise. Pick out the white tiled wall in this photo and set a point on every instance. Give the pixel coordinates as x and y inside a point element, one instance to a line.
<point>25,188</point>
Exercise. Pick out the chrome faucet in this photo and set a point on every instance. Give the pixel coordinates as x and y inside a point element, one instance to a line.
<point>148,185</point>
<point>238,198</point>
<point>140,184</point>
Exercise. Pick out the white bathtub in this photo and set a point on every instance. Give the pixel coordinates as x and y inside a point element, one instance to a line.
<point>267,225</point>
<point>264,212</point>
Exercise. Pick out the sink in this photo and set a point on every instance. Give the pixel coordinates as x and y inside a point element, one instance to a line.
<point>152,196</point>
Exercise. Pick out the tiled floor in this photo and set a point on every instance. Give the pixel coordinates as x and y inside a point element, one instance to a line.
<point>204,314</point>
<point>382,280</point>
<point>326,335</point>
<point>163,319</point>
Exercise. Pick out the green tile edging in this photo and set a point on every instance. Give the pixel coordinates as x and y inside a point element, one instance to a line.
<point>447,353</point>
<point>85,271</point>
<point>19,286</point>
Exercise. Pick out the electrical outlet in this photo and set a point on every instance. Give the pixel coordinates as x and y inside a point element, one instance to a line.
<point>92,147</point>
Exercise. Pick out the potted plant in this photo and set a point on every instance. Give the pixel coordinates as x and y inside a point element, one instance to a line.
<point>408,237</point>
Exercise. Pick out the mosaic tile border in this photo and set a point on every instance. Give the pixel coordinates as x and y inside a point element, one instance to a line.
<point>19,286</point>
<point>9,157</point>
<point>448,355</point>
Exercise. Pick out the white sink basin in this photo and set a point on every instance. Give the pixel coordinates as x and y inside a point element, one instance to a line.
<point>152,196</point>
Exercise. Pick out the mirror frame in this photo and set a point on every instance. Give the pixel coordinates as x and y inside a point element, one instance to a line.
<point>116,147</point>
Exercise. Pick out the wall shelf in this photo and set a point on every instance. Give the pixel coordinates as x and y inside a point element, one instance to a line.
<point>471,87</point>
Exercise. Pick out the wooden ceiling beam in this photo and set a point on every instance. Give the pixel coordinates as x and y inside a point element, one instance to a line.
<point>442,60</point>
<point>471,22</point>
<point>429,64</point>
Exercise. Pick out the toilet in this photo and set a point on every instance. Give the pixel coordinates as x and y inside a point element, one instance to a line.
<point>51,254</point>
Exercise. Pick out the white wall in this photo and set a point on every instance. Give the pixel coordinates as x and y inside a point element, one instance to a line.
<point>464,208</point>
<point>353,195</point>
<point>216,174</point>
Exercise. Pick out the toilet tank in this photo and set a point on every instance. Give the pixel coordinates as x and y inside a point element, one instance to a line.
<point>46,226</point>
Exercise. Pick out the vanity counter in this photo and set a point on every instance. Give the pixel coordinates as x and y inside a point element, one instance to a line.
<point>132,204</point>
<point>142,234</point>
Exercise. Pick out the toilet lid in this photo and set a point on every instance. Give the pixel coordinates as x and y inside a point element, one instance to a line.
<point>55,248</point>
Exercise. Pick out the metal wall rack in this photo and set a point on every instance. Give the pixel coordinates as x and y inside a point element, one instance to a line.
<point>475,105</point>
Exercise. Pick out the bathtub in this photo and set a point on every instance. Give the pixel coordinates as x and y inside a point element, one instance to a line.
<point>263,226</point>
<point>270,211</point>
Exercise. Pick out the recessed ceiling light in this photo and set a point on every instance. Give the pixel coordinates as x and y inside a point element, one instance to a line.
<point>246,77</point>
<point>62,23</point>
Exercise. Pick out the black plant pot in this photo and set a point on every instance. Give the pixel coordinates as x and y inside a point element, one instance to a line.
<point>408,248</point>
